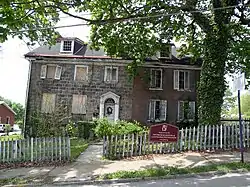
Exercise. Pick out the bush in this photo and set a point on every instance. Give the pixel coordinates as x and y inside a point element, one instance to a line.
<point>71,129</point>
<point>7,128</point>
<point>86,128</point>
<point>107,128</point>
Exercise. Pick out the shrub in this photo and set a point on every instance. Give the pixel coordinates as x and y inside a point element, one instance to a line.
<point>107,128</point>
<point>86,128</point>
<point>7,128</point>
<point>71,129</point>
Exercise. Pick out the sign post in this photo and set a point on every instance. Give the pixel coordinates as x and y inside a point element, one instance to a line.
<point>163,133</point>
<point>241,129</point>
<point>239,84</point>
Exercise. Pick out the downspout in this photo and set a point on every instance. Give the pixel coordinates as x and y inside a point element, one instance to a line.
<point>27,96</point>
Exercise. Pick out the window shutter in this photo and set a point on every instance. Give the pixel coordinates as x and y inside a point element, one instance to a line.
<point>187,81</point>
<point>180,110</point>
<point>82,103</point>
<point>152,110</point>
<point>114,71</point>
<point>79,104</point>
<point>43,71</point>
<point>108,74</point>
<point>191,110</point>
<point>152,79</point>
<point>163,110</point>
<point>58,72</point>
<point>48,103</point>
<point>176,80</point>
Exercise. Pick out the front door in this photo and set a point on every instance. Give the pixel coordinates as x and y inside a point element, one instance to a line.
<point>109,109</point>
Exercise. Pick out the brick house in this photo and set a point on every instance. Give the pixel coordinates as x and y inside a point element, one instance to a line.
<point>7,115</point>
<point>92,84</point>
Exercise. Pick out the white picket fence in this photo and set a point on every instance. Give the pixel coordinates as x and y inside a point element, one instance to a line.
<point>212,137</point>
<point>35,149</point>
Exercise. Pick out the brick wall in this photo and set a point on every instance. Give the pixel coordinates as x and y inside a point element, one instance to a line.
<point>142,94</point>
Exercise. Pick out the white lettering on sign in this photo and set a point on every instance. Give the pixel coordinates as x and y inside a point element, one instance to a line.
<point>164,128</point>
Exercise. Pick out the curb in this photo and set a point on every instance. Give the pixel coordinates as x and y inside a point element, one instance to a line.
<point>111,181</point>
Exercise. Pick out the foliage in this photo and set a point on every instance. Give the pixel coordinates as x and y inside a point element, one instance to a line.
<point>17,107</point>
<point>11,137</point>
<point>229,103</point>
<point>35,18</point>
<point>245,107</point>
<point>107,128</point>
<point>7,128</point>
<point>86,129</point>
<point>48,125</point>
<point>71,129</point>
<point>172,171</point>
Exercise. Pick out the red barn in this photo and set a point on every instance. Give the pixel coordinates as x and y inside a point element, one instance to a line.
<point>7,115</point>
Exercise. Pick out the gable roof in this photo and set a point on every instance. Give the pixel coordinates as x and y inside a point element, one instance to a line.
<point>7,106</point>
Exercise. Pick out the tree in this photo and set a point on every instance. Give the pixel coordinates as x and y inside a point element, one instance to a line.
<point>218,35</point>
<point>229,103</point>
<point>33,19</point>
<point>245,107</point>
<point>17,107</point>
<point>214,30</point>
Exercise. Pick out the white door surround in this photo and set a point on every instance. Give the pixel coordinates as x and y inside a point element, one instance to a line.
<point>103,98</point>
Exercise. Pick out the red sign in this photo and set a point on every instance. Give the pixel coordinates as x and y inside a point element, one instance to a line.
<point>163,133</point>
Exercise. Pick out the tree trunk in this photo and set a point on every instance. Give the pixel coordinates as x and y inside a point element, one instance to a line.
<point>212,83</point>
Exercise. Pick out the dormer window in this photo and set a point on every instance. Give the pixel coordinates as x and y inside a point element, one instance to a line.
<point>67,46</point>
<point>166,51</point>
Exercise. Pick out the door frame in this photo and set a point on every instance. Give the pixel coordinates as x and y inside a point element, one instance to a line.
<point>113,96</point>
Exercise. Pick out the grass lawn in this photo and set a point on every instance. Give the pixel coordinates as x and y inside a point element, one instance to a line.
<point>168,171</point>
<point>11,137</point>
<point>77,146</point>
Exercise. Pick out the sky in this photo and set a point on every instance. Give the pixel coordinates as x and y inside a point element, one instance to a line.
<point>14,67</point>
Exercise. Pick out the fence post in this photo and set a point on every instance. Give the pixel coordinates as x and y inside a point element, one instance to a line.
<point>15,153</point>
<point>60,148</point>
<point>31,150</point>
<point>69,150</point>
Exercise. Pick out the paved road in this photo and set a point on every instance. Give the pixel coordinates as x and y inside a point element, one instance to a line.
<point>229,180</point>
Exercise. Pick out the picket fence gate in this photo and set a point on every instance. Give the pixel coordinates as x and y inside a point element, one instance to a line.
<point>35,149</point>
<point>201,138</point>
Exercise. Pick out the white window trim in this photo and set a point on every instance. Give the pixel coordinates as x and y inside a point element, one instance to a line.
<point>178,115</point>
<point>81,66</point>
<point>72,47</point>
<point>54,65</point>
<point>0,120</point>
<point>178,85</point>
<point>105,74</point>
<point>156,69</point>
<point>149,111</point>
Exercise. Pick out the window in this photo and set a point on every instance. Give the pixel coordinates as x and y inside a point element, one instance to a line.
<point>67,46</point>
<point>181,80</point>
<point>165,51</point>
<point>7,119</point>
<point>156,79</point>
<point>157,110</point>
<point>111,74</point>
<point>79,103</point>
<point>51,72</point>
<point>48,103</point>
<point>186,110</point>
<point>81,73</point>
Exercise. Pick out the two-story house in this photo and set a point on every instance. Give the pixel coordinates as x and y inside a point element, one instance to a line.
<point>92,84</point>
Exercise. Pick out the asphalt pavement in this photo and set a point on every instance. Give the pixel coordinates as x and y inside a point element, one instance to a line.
<point>228,180</point>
